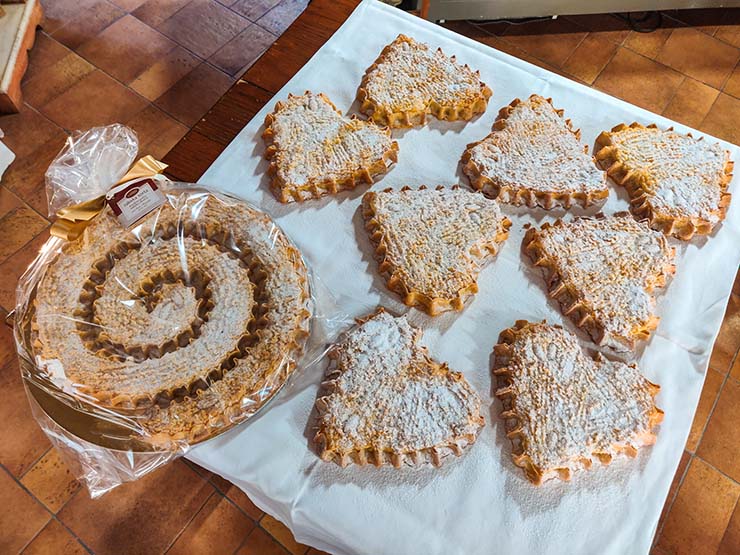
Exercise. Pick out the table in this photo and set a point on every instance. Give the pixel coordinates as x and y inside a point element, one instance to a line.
<point>237,168</point>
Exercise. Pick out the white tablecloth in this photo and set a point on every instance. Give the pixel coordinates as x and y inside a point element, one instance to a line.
<point>6,156</point>
<point>479,503</point>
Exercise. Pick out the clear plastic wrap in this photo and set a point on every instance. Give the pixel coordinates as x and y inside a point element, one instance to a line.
<point>90,163</point>
<point>138,343</point>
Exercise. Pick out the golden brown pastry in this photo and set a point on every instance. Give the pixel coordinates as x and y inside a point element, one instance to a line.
<point>315,151</point>
<point>432,243</point>
<point>191,321</point>
<point>563,410</point>
<point>676,182</point>
<point>409,81</point>
<point>533,157</point>
<point>385,401</point>
<point>604,272</point>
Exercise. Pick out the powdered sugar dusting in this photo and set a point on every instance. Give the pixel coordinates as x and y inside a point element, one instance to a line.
<point>411,75</point>
<point>535,149</point>
<point>568,405</point>
<point>611,265</point>
<point>389,396</point>
<point>174,304</point>
<point>682,175</point>
<point>437,240</point>
<point>315,143</point>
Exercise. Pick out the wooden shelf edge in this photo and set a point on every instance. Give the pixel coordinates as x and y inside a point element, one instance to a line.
<point>11,98</point>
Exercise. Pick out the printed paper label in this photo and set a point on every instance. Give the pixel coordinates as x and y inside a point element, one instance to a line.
<point>132,201</point>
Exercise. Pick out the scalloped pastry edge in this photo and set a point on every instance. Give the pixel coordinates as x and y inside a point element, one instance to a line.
<point>683,228</point>
<point>433,455</point>
<point>567,295</point>
<point>410,296</point>
<point>519,196</point>
<point>316,188</point>
<point>413,118</point>
<point>535,474</point>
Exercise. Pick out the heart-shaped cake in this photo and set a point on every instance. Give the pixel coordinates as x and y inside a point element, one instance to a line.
<point>385,401</point>
<point>563,409</point>
<point>534,157</point>
<point>409,81</point>
<point>676,182</point>
<point>431,243</point>
<point>314,150</point>
<point>604,271</point>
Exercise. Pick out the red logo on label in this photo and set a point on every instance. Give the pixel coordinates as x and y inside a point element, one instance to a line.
<point>132,193</point>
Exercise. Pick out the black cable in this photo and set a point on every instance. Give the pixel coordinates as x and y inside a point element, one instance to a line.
<point>642,24</point>
<point>482,22</point>
<point>646,22</point>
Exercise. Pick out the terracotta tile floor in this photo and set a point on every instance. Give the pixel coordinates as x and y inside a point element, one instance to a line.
<point>141,63</point>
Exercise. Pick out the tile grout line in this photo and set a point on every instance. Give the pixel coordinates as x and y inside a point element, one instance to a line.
<point>688,26</point>
<point>72,532</point>
<point>124,13</point>
<point>684,77</point>
<point>37,459</point>
<point>274,8</point>
<point>189,521</point>
<point>53,514</point>
<point>710,465</point>
<point>196,513</point>
<point>669,503</point>
<point>719,393</point>
<point>722,89</point>
<point>569,56</point>
<point>252,21</point>
<point>35,499</point>
<point>698,443</point>
<point>16,193</point>
<point>225,496</point>
<point>729,75</point>
<point>501,37</point>
<point>696,28</point>
<point>24,245</point>
<point>71,497</point>
<point>127,86</point>
<point>266,531</point>
<point>616,51</point>
<point>24,488</point>
<point>273,538</point>
<point>204,60</point>
<point>737,505</point>
<point>704,119</point>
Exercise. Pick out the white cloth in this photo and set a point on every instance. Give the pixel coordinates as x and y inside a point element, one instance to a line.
<point>480,502</point>
<point>6,156</point>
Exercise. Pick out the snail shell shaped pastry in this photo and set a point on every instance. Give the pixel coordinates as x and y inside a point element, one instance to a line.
<point>191,320</point>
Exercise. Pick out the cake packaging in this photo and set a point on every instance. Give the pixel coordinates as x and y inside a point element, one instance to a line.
<point>157,316</point>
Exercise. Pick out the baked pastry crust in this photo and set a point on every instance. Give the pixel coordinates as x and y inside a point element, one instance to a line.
<point>562,409</point>
<point>604,271</point>
<point>430,244</point>
<point>409,81</point>
<point>188,324</point>
<point>315,151</point>
<point>386,402</point>
<point>675,182</point>
<point>534,157</point>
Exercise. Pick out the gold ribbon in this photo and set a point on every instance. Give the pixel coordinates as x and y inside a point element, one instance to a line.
<point>72,220</point>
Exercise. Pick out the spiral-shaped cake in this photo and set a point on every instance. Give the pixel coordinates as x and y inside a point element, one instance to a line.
<point>190,321</point>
